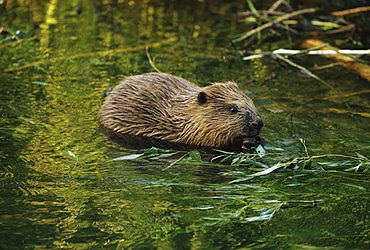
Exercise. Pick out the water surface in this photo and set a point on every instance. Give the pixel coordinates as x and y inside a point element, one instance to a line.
<point>61,189</point>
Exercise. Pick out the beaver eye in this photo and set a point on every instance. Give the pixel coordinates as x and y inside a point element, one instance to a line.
<point>233,110</point>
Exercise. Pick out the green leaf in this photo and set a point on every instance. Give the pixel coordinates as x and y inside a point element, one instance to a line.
<point>40,83</point>
<point>356,168</point>
<point>72,154</point>
<point>195,155</point>
<point>241,180</point>
<point>260,150</point>
<point>235,160</point>
<point>269,170</point>
<point>259,218</point>
<point>362,157</point>
<point>353,186</point>
<point>127,157</point>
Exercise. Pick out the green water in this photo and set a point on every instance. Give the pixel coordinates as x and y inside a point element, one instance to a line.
<point>60,189</point>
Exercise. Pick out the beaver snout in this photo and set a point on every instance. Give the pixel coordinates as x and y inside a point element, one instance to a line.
<point>253,128</point>
<point>257,124</point>
<point>252,131</point>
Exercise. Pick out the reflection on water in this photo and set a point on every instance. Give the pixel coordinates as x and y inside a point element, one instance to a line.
<point>59,187</point>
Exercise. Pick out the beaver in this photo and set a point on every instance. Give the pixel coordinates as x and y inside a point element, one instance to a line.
<point>168,108</point>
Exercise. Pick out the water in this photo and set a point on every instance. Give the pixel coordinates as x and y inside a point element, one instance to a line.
<point>60,188</point>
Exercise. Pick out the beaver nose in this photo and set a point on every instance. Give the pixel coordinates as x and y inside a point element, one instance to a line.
<point>257,124</point>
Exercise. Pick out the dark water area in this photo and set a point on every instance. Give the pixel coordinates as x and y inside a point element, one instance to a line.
<point>62,186</point>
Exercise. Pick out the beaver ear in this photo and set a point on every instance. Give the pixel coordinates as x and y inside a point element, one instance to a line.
<point>202,98</point>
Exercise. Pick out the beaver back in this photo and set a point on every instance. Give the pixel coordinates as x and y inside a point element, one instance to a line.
<point>140,105</point>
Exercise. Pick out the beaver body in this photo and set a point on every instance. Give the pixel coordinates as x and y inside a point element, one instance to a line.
<point>167,108</point>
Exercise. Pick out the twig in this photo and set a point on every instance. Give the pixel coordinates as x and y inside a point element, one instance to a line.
<point>303,141</point>
<point>276,5</point>
<point>348,61</point>
<point>340,111</point>
<point>278,20</point>
<point>254,10</point>
<point>261,12</point>
<point>251,6</point>
<point>314,51</point>
<point>284,202</point>
<point>327,24</point>
<point>19,41</point>
<point>303,69</point>
<point>300,160</point>
<point>309,73</point>
<point>151,60</point>
<point>268,20</point>
<point>349,29</point>
<point>337,155</point>
<point>350,11</point>
<point>322,52</point>
<point>99,53</point>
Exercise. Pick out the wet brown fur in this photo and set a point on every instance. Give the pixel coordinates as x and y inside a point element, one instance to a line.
<point>165,107</point>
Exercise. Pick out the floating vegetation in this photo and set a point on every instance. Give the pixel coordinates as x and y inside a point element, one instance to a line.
<point>259,161</point>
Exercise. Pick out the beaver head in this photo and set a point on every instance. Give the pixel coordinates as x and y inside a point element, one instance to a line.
<point>218,115</point>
